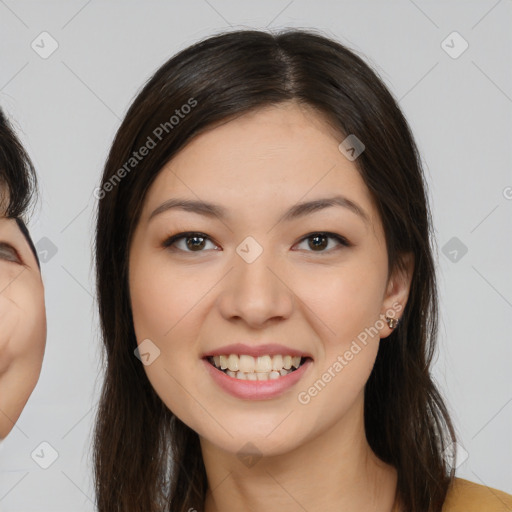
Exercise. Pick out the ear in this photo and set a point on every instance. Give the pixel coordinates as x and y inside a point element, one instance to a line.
<point>397,292</point>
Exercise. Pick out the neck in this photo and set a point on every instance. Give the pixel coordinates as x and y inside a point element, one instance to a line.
<point>334,471</point>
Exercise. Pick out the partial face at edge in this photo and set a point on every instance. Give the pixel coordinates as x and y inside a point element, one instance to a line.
<point>312,295</point>
<point>22,323</point>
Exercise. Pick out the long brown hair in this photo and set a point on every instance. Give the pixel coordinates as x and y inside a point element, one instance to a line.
<point>146,458</point>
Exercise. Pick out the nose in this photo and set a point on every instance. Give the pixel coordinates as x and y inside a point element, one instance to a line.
<point>256,293</point>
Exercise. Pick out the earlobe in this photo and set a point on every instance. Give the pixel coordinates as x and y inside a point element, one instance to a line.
<point>397,293</point>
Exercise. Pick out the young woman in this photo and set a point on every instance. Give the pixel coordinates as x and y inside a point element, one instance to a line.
<point>267,292</point>
<point>22,310</point>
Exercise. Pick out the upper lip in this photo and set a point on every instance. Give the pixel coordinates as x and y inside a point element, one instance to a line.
<point>271,349</point>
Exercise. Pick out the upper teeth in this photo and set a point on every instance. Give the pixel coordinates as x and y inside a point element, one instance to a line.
<point>247,364</point>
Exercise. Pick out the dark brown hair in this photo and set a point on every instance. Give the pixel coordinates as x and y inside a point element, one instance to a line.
<point>146,458</point>
<point>18,183</point>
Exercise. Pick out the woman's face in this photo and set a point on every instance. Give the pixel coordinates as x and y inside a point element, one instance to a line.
<point>262,273</point>
<point>22,323</point>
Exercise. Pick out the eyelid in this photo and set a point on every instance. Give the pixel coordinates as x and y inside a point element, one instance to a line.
<point>6,247</point>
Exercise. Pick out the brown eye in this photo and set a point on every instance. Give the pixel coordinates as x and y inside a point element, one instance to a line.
<point>318,242</point>
<point>194,242</point>
<point>9,253</point>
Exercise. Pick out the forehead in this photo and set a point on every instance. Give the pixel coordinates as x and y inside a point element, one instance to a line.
<point>279,154</point>
<point>9,227</point>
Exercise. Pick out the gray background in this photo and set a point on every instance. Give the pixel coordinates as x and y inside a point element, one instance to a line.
<point>68,106</point>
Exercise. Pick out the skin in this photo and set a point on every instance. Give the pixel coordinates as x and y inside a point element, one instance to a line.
<point>188,301</point>
<point>22,321</point>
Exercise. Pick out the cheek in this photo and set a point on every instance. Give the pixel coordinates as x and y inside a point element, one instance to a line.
<point>346,303</point>
<point>161,299</point>
<point>9,319</point>
<point>23,322</point>
<point>9,274</point>
<point>165,304</point>
<point>344,300</point>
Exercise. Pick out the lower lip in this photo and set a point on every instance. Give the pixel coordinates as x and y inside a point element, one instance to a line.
<point>256,389</point>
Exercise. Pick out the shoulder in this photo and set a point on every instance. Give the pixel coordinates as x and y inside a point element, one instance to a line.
<point>466,496</point>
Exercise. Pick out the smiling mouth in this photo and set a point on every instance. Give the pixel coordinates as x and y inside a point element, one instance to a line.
<point>245,367</point>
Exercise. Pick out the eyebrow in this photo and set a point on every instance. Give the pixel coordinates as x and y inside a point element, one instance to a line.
<point>298,210</point>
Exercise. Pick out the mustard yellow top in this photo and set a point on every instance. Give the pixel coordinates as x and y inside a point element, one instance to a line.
<point>466,496</point>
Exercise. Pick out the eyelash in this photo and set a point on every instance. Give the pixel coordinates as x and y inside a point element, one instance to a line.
<point>169,242</point>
